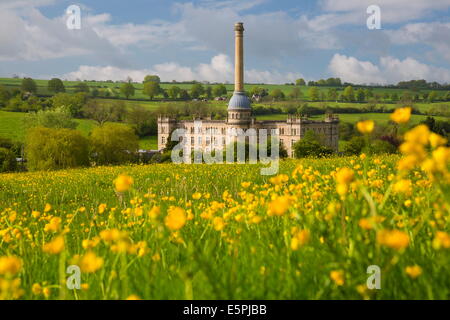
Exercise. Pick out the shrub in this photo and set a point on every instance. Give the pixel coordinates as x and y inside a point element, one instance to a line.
<point>7,160</point>
<point>311,146</point>
<point>113,144</point>
<point>48,148</point>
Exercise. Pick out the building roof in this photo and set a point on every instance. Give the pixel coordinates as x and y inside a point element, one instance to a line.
<point>239,100</point>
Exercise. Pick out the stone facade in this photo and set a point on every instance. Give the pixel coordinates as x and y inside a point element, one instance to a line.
<point>215,134</point>
<point>209,135</point>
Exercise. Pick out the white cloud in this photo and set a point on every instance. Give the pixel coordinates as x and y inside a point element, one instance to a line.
<point>392,11</point>
<point>220,69</point>
<point>36,37</point>
<point>434,34</point>
<point>389,70</point>
<point>350,69</point>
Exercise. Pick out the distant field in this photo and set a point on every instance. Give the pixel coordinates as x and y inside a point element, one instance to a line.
<point>12,126</point>
<point>353,117</point>
<point>114,88</point>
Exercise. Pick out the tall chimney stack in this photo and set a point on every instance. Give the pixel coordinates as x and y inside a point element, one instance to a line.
<point>239,100</point>
<point>239,57</point>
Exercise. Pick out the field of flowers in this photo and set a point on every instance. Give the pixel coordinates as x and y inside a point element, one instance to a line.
<point>226,232</point>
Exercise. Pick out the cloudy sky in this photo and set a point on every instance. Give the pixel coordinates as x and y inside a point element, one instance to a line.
<point>193,40</point>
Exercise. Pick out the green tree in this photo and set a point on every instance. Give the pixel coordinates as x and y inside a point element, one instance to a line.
<point>197,90</point>
<point>8,161</point>
<point>152,78</point>
<point>300,82</point>
<point>219,90</point>
<point>311,146</point>
<point>296,93</point>
<point>360,95</point>
<point>184,95</point>
<point>173,92</point>
<point>28,85</point>
<point>208,92</point>
<point>127,89</point>
<point>74,102</point>
<point>48,149</point>
<point>142,120</point>
<point>55,85</point>
<point>332,94</point>
<point>432,96</point>
<point>113,144</point>
<point>313,94</point>
<point>5,95</point>
<point>151,89</point>
<point>277,95</point>
<point>81,87</point>
<point>349,94</point>
<point>354,146</point>
<point>102,112</point>
<point>57,118</point>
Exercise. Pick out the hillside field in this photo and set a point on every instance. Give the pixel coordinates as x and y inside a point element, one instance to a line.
<point>227,232</point>
<point>115,87</point>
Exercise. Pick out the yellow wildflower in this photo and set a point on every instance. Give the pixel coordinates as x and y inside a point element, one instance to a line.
<point>394,239</point>
<point>365,126</point>
<point>90,263</point>
<point>401,115</point>
<point>123,183</point>
<point>55,246</point>
<point>176,218</point>
<point>338,277</point>
<point>413,271</point>
<point>10,265</point>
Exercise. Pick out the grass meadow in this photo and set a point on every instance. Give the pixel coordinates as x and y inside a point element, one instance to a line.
<point>227,232</point>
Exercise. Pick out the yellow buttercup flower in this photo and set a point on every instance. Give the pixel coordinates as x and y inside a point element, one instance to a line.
<point>441,240</point>
<point>90,263</point>
<point>420,134</point>
<point>403,186</point>
<point>36,288</point>
<point>401,115</point>
<point>55,246</point>
<point>196,195</point>
<point>218,223</point>
<point>344,176</point>
<point>123,183</point>
<point>53,225</point>
<point>10,265</point>
<point>365,126</point>
<point>102,208</point>
<point>47,208</point>
<point>245,184</point>
<point>394,239</point>
<point>338,277</point>
<point>300,239</point>
<point>437,140</point>
<point>175,219</point>
<point>278,206</point>
<point>413,271</point>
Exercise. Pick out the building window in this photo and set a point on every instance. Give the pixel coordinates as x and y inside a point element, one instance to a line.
<point>282,141</point>
<point>192,140</point>
<point>163,140</point>
<point>294,132</point>
<point>223,141</point>
<point>208,141</point>
<point>192,130</point>
<point>282,131</point>
<point>293,142</point>
<point>199,141</point>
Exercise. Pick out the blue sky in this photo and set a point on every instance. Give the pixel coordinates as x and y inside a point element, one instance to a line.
<point>193,40</point>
